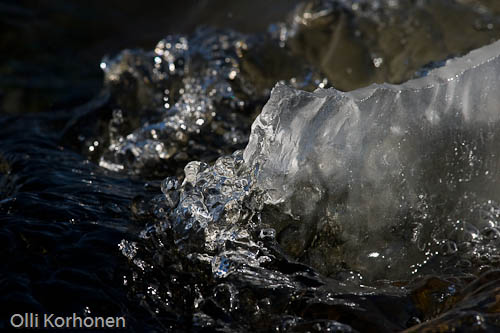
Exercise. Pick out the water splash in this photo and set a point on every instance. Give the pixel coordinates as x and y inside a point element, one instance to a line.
<point>191,98</point>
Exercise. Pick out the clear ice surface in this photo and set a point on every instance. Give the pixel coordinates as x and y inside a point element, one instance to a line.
<point>388,179</point>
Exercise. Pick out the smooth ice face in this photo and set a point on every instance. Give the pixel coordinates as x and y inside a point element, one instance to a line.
<point>388,179</point>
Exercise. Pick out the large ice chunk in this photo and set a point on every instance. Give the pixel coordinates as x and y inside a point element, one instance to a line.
<point>396,176</point>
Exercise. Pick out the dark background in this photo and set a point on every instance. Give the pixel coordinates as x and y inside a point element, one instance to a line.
<point>51,49</point>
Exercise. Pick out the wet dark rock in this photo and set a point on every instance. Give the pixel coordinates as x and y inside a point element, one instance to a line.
<point>356,43</point>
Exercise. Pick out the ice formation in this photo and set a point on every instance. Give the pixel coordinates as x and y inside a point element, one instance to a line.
<point>334,191</point>
<point>388,179</point>
<point>381,182</point>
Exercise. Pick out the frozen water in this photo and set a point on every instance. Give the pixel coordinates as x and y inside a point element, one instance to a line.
<point>381,182</point>
<point>385,177</point>
<point>384,182</point>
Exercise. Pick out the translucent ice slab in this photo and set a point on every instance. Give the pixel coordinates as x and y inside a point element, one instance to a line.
<point>388,179</point>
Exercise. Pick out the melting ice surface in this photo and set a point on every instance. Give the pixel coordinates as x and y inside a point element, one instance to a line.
<point>387,180</point>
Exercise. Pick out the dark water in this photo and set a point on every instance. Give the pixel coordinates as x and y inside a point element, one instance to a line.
<point>84,151</point>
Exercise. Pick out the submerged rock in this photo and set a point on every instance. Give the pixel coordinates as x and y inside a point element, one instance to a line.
<point>389,180</point>
<point>358,42</point>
